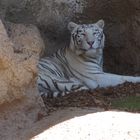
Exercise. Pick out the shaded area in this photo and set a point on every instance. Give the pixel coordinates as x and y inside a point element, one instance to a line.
<point>131,103</point>
<point>122,29</point>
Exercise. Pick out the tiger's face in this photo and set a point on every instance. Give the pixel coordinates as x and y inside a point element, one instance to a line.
<point>86,37</point>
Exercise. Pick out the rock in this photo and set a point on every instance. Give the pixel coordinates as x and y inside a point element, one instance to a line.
<point>107,125</point>
<point>20,116</point>
<point>26,39</point>
<point>18,68</point>
<point>20,102</point>
<point>122,53</point>
<point>51,16</point>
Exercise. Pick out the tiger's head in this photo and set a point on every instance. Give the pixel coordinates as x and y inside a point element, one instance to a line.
<point>86,37</point>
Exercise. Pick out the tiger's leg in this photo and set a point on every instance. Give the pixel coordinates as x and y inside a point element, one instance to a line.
<point>52,86</point>
<point>108,80</point>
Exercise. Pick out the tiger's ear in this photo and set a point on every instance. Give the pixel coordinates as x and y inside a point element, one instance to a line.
<point>101,23</point>
<point>71,26</point>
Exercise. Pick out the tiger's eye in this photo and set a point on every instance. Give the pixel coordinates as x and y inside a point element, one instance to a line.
<point>83,34</point>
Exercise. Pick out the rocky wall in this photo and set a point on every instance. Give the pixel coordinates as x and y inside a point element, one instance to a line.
<point>122,30</point>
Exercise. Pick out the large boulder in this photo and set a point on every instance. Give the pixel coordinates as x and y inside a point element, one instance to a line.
<point>26,38</point>
<point>109,125</point>
<point>51,16</point>
<point>18,68</point>
<point>20,104</point>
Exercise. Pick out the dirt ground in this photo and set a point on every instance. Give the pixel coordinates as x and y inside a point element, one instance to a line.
<point>102,98</point>
<point>80,116</point>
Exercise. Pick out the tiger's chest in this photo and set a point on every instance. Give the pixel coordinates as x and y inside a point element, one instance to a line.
<point>83,67</point>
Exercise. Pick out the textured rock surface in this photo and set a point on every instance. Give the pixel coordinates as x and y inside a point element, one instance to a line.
<point>122,53</point>
<point>19,117</point>
<point>51,16</point>
<point>26,38</point>
<point>20,104</point>
<point>18,68</point>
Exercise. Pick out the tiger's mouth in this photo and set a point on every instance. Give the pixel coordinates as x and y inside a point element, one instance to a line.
<point>82,49</point>
<point>89,46</point>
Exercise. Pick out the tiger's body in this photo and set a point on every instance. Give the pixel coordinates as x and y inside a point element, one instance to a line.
<point>79,66</point>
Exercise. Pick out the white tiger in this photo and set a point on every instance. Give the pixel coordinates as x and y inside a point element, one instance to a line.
<point>79,66</point>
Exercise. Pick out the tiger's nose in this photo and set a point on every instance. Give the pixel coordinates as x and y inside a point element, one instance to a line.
<point>90,43</point>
